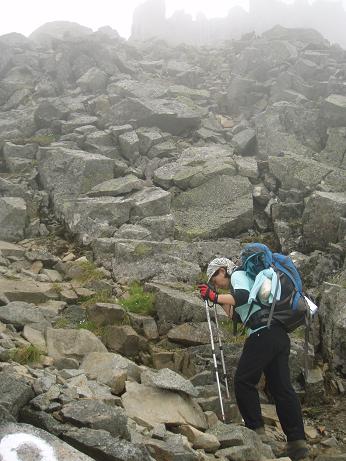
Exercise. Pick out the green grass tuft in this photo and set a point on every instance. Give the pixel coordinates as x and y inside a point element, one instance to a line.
<point>102,296</point>
<point>226,327</point>
<point>90,273</point>
<point>338,279</point>
<point>26,354</point>
<point>139,301</point>
<point>91,326</point>
<point>61,322</point>
<point>57,287</point>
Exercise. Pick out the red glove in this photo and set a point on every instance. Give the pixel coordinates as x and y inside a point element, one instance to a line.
<point>207,293</point>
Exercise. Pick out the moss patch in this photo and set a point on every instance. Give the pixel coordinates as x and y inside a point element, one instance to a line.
<point>42,140</point>
<point>61,322</point>
<point>142,249</point>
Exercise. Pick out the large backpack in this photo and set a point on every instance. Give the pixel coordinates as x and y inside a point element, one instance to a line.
<point>290,312</point>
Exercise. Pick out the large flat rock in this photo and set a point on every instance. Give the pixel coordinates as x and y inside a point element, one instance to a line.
<point>151,406</point>
<point>103,446</point>
<point>72,343</point>
<point>153,260</point>
<point>67,172</point>
<point>174,116</point>
<point>17,123</point>
<point>195,166</point>
<point>296,172</point>
<point>13,216</point>
<point>93,217</point>
<point>27,290</point>
<point>168,379</point>
<point>334,110</point>
<point>221,207</point>
<point>322,218</point>
<point>191,334</point>
<point>174,307</point>
<point>94,364</point>
<point>333,315</point>
<point>19,313</point>
<point>96,414</point>
<point>285,126</point>
<point>202,252</point>
<point>15,392</point>
<point>117,186</point>
<point>10,249</point>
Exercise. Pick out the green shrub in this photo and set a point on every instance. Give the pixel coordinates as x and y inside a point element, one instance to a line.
<point>26,354</point>
<point>139,301</point>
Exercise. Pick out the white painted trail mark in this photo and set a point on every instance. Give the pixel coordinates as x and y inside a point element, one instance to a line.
<point>10,444</point>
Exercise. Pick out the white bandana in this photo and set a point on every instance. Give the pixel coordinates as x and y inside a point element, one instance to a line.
<point>217,263</point>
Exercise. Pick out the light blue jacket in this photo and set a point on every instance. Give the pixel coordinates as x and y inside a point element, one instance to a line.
<point>240,281</point>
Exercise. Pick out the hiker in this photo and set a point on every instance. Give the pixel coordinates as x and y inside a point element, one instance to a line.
<point>266,350</point>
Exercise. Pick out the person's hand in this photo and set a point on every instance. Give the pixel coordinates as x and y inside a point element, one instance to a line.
<point>207,293</point>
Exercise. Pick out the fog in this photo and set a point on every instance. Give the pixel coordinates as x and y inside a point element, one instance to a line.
<point>24,16</point>
<point>326,16</point>
<point>192,21</point>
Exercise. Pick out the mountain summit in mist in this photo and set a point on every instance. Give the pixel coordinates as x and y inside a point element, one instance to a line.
<point>149,20</point>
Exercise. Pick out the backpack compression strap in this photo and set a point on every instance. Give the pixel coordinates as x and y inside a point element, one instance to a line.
<point>272,307</point>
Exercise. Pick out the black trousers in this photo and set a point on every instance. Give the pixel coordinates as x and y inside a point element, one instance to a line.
<point>268,351</point>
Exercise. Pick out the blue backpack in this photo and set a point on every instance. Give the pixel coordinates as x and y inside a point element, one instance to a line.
<point>290,312</point>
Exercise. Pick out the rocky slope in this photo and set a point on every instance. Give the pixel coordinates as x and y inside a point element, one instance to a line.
<point>124,163</point>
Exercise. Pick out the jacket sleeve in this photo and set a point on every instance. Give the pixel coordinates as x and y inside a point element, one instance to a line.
<point>241,296</point>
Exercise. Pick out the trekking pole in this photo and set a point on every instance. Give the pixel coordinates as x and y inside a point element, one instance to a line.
<point>215,361</point>
<point>221,351</point>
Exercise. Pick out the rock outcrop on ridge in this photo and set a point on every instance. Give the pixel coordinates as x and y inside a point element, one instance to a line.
<point>150,19</point>
<point>123,163</point>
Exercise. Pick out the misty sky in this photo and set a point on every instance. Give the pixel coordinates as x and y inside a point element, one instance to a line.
<point>24,16</point>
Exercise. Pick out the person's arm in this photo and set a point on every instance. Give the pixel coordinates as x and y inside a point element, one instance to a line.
<point>226,299</point>
<point>240,296</point>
